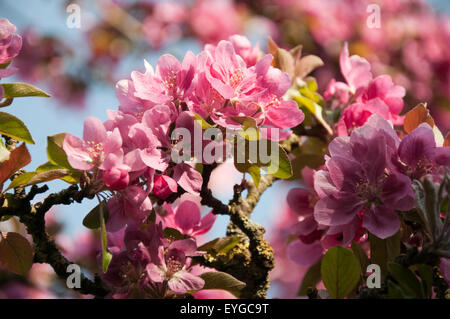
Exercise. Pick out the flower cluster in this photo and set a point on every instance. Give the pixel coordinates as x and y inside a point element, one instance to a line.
<point>366,181</point>
<point>363,94</point>
<point>10,45</point>
<point>130,154</point>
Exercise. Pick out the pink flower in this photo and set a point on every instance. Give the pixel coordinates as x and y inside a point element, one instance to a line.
<point>164,186</point>
<point>170,81</point>
<point>127,273</point>
<point>163,26</point>
<point>10,44</point>
<point>171,266</point>
<point>377,96</point>
<point>186,218</point>
<point>355,69</point>
<point>188,178</point>
<point>129,207</point>
<point>358,113</point>
<point>314,238</point>
<point>359,180</point>
<point>238,91</point>
<point>392,95</point>
<point>419,154</point>
<point>97,144</point>
<point>338,90</point>
<point>244,49</point>
<point>214,20</point>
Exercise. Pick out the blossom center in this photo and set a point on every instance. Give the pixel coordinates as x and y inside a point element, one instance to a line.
<point>96,152</point>
<point>236,77</point>
<point>173,265</point>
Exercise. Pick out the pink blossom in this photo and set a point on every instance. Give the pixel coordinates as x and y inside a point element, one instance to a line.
<point>419,154</point>
<point>131,206</point>
<point>392,95</point>
<point>186,218</point>
<point>355,69</point>
<point>214,20</point>
<point>244,49</point>
<point>171,266</point>
<point>359,178</point>
<point>97,144</point>
<point>169,82</point>
<point>242,91</point>
<point>10,43</point>
<point>164,186</point>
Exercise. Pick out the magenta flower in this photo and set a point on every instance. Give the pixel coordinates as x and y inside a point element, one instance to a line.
<point>358,113</point>
<point>128,207</point>
<point>307,249</point>
<point>95,146</point>
<point>314,238</point>
<point>419,154</point>
<point>365,95</point>
<point>359,179</point>
<point>172,266</point>
<point>10,43</point>
<point>186,218</point>
<point>392,95</point>
<point>164,186</point>
<point>127,273</point>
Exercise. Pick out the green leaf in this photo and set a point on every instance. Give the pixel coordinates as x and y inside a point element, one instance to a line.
<point>310,153</point>
<point>172,234</point>
<point>340,271</point>
<point>16,254</point>
<point>32,178</point>
<point>361,255</point>
<point>205,125</point>
<point>18,89</point>
<point>106,255</point>
<point>255,173</point>
<point>92,219</point>
<point>18,158</point>
<point>55,152</point>
<point>222,280</point>
<point>407,281</point>
<point>280,166</point>
<point>250,127</point>
<point>311,279</point>
<point>312,106</point>
<point>384,251</point>
<point>220,245</point>
<point>425,273</point>
<point>13,127</point>
<point>394,291</point>
<point>72,178</point>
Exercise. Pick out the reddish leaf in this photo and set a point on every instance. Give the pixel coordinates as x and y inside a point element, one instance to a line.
<point>417,116</point>
<point>16,254</point>
<point>447,140</point>
<point>18,158</point>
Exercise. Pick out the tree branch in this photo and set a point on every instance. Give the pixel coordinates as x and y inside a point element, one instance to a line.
<point>33,217</point>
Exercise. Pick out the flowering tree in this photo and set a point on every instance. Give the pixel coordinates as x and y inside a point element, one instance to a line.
<point>374,195</point>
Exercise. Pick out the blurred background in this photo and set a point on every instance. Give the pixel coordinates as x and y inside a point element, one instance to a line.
<point>79,61</point>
